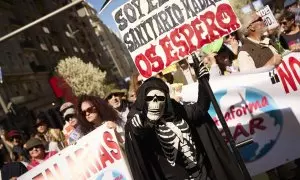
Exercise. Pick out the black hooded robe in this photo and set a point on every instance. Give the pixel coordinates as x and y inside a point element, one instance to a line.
<point>145,156</point>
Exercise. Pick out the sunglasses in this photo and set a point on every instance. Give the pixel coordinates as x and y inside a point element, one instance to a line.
<point>89,110</point>
<point>257,20</point>
<point>159,98</point>
<point>114,94</point>
<point>36,147</point>
<point>283,22</point>
<point>69,117</point>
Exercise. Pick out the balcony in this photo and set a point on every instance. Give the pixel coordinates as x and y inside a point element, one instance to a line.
<point>27,44</point>
<point>38,68</point>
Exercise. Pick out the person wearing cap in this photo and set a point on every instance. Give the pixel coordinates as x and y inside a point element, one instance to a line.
<point>53,139</point>
<point>71,129</point>
<point>114,98</point>
<point>37,152</point>
<point>294,7</point>
<point>255,51</point>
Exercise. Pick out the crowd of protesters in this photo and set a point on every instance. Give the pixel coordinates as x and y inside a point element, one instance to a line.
<point>254,46</point>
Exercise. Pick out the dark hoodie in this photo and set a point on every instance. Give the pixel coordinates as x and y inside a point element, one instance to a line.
<point>145,156</point>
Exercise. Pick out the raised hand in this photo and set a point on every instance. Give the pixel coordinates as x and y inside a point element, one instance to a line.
<point>136,121</point>
<point>203,71</point>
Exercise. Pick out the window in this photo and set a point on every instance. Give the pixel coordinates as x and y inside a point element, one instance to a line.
<point>44,46</point>
<point>82,50</point>
<point>46,30</point>
<point>9,58</point>
<point>55,48</point>
<point>75,49</point>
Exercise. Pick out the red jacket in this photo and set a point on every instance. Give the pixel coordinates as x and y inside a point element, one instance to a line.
<point>34,163</point>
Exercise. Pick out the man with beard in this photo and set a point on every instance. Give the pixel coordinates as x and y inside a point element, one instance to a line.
<point>255,51</point>
<point>165,140</point>
<point>114,98</point>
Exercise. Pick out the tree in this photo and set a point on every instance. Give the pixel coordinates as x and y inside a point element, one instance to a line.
<point>83,78</point>
<point>238,4</point>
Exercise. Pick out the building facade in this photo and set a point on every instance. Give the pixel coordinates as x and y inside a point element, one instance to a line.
<point>28,59</point>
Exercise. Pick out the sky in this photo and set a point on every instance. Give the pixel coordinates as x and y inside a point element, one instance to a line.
<point>106,14</point>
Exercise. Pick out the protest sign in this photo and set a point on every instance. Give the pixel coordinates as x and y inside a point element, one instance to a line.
<point>263,106</point>
<point>159,33</point>
<point>268,17</point>
<point>95,156</point>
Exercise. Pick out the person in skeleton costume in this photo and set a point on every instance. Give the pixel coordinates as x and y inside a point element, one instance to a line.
<point>166,140</point>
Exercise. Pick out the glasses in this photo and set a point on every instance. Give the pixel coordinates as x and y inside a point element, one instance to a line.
<point>36,147</point>
<point>257,20</point>
<point>283,22</point>
<point>69,116</point>
<point>114,94</point>
<point>89,110</point>
<point>159,98</point>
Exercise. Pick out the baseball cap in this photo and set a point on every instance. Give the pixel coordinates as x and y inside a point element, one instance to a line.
<point>32,143</point>
<point>288,3</point>
<point>67,109</point>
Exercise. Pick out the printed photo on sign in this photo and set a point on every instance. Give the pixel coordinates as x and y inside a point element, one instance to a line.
<point>161,33</point>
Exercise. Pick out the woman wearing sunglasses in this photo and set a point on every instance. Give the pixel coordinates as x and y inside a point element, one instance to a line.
<point>95,112</point>
<point>37,152</point>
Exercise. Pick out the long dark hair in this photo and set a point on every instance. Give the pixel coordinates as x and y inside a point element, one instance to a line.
<point>104,110</point>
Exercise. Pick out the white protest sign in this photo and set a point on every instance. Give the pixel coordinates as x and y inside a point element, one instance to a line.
<point>263,106</point>
<point>95,156</point>
<point>268,17</point>
<point>159,33</point>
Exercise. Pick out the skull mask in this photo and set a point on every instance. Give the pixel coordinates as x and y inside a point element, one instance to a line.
<point>156,104</point>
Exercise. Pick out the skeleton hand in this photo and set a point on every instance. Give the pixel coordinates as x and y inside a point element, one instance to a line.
<point>136,121</point>
<point>203,71</point>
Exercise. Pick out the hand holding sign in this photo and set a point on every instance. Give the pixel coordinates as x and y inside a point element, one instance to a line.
<point>160,34</point>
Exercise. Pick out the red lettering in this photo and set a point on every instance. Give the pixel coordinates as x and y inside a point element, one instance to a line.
<point>227,116</point>
<point>196,25</point>
<point>254,106</point>
<point>256,123</point>
<point>264,102</point>
<point>168,49</point>
<point>209,19</point>
<point>141,59</point>
<point>226,18</point>
<point>239,130</point>
<point>49,175</point>
<point>188,33</point>
<point>181,44</point>
<point>104,157</point>
<point>39,177</point>
<point>293,61</point>
<point>108,139</point>
<point>286,78</point>
<point>58,171</point>
<point>157,62</point>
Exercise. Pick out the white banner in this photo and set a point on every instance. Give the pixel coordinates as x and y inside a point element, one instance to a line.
<point>159,33</point>
<point>268,17</point>
<point>95,156</point>
<point>263,106</point>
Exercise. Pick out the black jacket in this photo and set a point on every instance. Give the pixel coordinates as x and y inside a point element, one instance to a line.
<point>145,156</point>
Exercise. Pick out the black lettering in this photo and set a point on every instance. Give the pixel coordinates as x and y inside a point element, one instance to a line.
<point>168,10</point>
<point>121,20</point>
<point>137,5</point>
<point>196,7</point>
<point>140,35</point>
<point>178,13</point>
<point>149,21</point>
<point>128,42</point>
<point>202,4</point>
<point>188,9</point>
<point>130,13</point>
<point>161,2</point>
<point>160,27</point>
<point>134,39</point>
<point>164,19</point>
<point>151,6</point>
<point>143,25</point>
